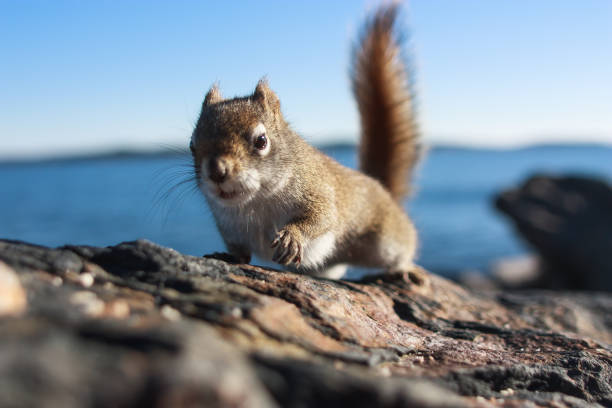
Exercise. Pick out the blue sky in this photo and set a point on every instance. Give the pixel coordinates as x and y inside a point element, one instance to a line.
<point>87,75</point>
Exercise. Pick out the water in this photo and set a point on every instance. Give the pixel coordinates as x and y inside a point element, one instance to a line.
<point>105,201</point>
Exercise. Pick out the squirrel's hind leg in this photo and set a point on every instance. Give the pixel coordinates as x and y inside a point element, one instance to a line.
<point>397,256</point>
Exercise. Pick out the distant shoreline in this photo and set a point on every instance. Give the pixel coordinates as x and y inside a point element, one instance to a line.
<point>81,157</point>
<point>120,154</point>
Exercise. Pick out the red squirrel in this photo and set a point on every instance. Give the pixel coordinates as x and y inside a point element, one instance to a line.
<point>274,195</point>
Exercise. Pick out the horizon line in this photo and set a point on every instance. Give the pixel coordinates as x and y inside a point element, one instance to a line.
<point>161,150</point>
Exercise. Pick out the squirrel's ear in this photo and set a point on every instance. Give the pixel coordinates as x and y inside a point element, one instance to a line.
<point>266,96</point>
<point>213,96</point>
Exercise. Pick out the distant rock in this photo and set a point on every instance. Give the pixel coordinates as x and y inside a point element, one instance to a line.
<point>568,221</point>
<point>139,325</point>
<point>12,295</point>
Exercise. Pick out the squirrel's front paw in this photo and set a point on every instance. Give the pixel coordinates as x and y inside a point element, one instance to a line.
<point>288,248</point>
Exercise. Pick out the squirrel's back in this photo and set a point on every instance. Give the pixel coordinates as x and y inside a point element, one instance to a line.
<point>380,81</point>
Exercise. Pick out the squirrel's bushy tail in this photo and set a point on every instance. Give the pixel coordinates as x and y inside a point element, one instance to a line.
<point>381,85</point>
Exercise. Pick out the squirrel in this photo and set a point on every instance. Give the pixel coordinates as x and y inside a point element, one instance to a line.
<point>274,195</point>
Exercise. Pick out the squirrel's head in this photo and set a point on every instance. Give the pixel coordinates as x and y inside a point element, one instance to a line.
<point>237,146</point>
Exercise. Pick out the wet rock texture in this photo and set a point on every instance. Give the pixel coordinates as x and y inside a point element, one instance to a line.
<point>141,325</point>
<point>568,221</point>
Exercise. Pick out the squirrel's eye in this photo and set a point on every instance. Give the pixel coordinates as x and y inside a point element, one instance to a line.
<point>261,141</point>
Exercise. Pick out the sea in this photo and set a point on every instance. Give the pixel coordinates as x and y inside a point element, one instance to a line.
<point>106,200</point>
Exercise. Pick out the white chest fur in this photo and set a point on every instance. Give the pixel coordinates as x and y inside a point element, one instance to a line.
<point>317,250</point>
<point>252,226</point>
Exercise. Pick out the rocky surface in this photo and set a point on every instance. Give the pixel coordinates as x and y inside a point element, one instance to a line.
<point>141,325</point>
<point>568,221</point>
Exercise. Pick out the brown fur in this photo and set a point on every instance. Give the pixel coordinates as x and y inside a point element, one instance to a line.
<point>307,211</point>
<point>388,148</point>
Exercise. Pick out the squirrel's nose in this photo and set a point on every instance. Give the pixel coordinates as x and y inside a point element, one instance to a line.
<point>217,169</point>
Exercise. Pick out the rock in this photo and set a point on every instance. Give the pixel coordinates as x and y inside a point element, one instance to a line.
<point>568,220</point>
<point>12,296</point>
<point>517,272</point>
<point>152,327</point>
